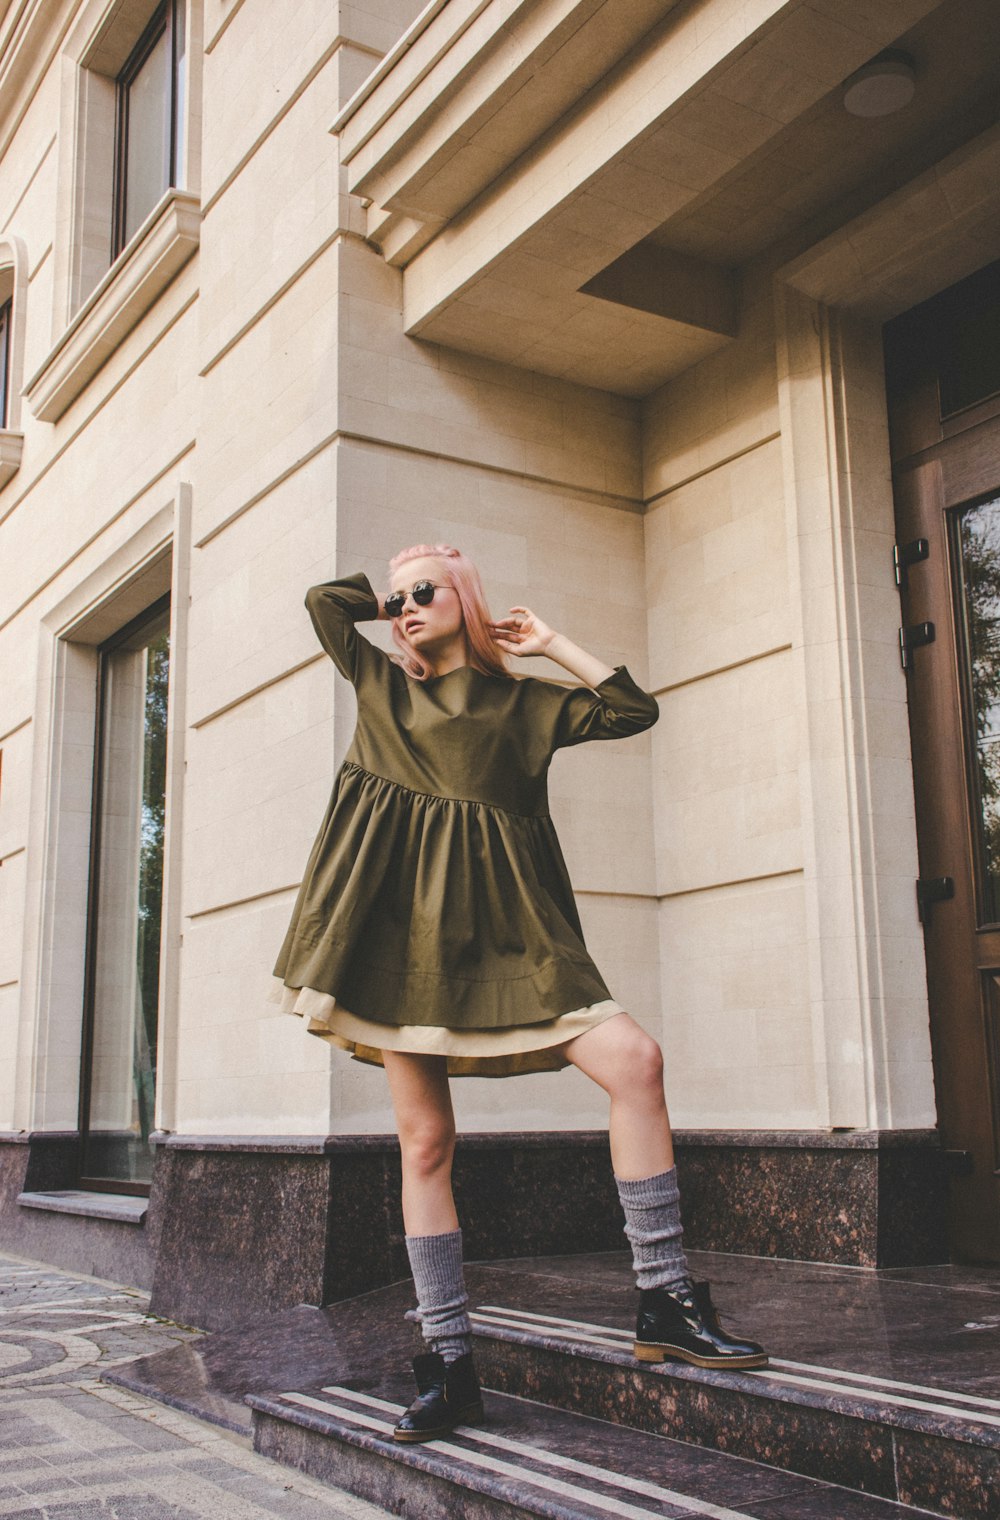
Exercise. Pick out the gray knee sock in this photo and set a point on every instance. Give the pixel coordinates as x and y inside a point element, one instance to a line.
<point>436,1263</point>
<point>653,1227</point>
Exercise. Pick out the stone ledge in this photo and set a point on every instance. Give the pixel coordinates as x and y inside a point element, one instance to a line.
<point>755,1139</point>
<point>119,1206</point>
<point>11,445</point>
<point>161,247</point>
<point>36,1136</point>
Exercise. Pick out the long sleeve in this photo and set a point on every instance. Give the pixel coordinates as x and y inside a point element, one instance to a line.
<point>335,607</point>
<point>614,709</point>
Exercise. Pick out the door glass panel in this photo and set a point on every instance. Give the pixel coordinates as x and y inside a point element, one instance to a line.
<point>978,560</point>
<point>129,888</point>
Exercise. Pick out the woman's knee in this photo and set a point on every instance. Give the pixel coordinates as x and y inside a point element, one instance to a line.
<point>622,1057</point>
<point>427,1144</point>
<point>636,1069</point>
<point>644,1061</point>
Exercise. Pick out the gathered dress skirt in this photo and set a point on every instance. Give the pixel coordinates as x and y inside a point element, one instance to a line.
<point>436,915</point>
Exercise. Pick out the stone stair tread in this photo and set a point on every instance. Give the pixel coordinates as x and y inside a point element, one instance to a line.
<point>893,1390</point>
<point>937,1328</point>
<point>888,1401</point>
<point>880,1385</point>
<point>541,1461</point>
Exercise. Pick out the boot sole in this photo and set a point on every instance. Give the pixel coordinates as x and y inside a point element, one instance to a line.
<point>644,1352</point>
<point>474,1415</point>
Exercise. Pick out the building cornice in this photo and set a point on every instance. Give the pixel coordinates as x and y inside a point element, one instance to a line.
<point>524,163</point>
<point>471,86</point>
<point>31,32</point>
<point>389,60</point>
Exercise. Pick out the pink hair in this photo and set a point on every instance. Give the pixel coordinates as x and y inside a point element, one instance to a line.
<point>460,572</point>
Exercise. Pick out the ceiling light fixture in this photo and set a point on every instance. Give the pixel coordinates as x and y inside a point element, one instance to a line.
<point>885,85</point>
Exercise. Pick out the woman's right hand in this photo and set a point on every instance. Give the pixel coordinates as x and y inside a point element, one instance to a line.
<point>522,633</point>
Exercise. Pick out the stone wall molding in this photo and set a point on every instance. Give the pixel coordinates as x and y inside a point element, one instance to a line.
<point>13,287</point>
<point>134,282</point>
<point>867,985</point>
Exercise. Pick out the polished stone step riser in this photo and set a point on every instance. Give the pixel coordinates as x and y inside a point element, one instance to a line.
<point>382,1480</point>
<point>929,1472</point>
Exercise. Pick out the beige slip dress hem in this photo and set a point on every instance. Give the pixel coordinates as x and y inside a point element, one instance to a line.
<point>470,1052</point>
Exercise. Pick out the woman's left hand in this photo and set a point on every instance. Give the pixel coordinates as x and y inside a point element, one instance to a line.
<point>522,632</point>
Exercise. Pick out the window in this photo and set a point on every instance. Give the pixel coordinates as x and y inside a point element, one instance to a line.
<point>6,317</point>
<point>124,911</point>
<point>148,122</point>
<point>127,192</point>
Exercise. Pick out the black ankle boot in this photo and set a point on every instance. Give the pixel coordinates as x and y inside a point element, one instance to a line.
<point>448,1395</point>
<point>684,1323</point>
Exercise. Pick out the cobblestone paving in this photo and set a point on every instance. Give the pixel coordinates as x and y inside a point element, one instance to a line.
<point>74,1448</point>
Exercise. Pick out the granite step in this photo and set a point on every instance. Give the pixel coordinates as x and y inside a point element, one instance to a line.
<point>528,1460</point>
<point>559,1332</point>
<point>879,1436</point>
<point>882,1396</point>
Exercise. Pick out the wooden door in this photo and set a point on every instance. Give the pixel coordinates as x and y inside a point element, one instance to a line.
<point>943,379</point>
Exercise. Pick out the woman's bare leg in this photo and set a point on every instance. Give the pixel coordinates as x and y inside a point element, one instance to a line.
<point>448,1389</point>
<point>425,1122</point>
<point>628,1064</point>
<point>676,1317</point>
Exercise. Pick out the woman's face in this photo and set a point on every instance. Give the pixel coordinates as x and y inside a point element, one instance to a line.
<point>428,630</point>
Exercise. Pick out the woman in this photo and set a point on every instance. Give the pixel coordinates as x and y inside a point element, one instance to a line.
<point>435,933</point>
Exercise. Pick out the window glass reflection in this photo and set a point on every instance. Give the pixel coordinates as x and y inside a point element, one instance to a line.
<point>129,892</point>
<point>149,141</point>
<point>148,153</point>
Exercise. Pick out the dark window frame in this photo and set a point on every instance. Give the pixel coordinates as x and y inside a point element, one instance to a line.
<point>6,325</point>
<point>84,1181</point>
<point>164,19</point>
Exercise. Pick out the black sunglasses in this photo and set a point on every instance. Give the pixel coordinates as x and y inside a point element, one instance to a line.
<point>422,594</point>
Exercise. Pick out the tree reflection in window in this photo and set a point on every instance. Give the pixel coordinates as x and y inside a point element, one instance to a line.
<point>979,563</point>
<point>151,876</point>
<point>126,900</point>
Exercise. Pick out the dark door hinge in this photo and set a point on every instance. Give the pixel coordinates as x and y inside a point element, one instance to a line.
<point>912,637</point>
<point>931,890</point>
<point>905,555</point>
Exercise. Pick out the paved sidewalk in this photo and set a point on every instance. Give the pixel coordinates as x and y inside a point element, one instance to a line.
<point>74,1448</point>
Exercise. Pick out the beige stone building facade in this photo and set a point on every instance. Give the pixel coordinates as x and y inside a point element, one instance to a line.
<point>598,292</point>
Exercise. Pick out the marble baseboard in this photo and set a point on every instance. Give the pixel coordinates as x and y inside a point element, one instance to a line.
<point>858,1199</point>
<point>116,1249</point>
<point>324,1226</point>
<point>241,1226</point>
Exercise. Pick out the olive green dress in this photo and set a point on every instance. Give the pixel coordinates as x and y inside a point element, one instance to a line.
<point>436,912</point>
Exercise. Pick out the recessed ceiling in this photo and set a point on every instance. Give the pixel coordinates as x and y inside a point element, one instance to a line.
<point>828,165</point>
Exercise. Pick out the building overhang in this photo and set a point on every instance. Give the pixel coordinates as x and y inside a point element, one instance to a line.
<point>932,232</point>
<point>514,156</point>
